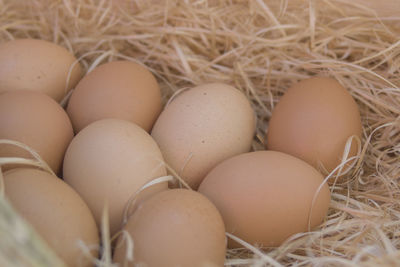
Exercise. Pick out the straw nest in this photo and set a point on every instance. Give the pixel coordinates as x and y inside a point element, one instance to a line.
<point>261,48</point>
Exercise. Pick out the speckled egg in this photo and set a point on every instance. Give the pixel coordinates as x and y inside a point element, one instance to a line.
<point>203,126</point>
<point>38,65</point>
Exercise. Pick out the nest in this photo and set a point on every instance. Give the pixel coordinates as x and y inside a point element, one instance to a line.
<point>261,48</point>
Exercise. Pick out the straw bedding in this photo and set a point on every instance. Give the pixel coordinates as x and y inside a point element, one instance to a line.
<point>261,48</point>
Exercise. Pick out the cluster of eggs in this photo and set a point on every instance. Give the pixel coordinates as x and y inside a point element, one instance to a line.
<point>114,147</point>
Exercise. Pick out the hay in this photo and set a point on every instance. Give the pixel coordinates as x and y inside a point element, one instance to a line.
<point>261,48</point>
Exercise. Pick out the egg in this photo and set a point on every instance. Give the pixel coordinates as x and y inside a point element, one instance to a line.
<point>38,65</point>
<point>177,227</point>
<point>203,126</point>
<point>313,121</point>
<point>55,211</point>
<point>264,197</point>
<point>121,90</point>
<point>108,162</point>
<point>36,120</point>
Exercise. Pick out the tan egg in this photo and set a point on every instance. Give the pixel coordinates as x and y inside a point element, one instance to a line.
<point>313,121</point>
<point>108,162</point>
<point>121,90</point>
<point>38,65</point>
<point>177,227</point>
<point>265,197</point>
<point>36,120</point>
<point>202,127</point>
<point>56,212</point>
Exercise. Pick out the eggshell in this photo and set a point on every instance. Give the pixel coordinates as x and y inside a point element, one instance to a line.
<point>36,120</point>
<point>121,90</point>
<point>108,161</point>
<point>56,212</point>
<point>313,121</point>
<point>177,227</point>
<point>265,197</point>
<point>203,126</point>
<point>38,65</point>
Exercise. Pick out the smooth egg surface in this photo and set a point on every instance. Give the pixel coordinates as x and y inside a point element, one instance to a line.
<point>119,89</point>
<point>55,211</point>
<point>264,197</point>
<point>313,120</point>
<point>37,121</point>
<point>177,227</point>
<point>108,162</point>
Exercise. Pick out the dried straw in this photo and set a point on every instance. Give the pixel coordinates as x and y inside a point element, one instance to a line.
<point>261,48</point>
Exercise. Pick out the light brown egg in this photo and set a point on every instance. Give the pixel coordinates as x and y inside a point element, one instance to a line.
<point>202,127</point>
<point>177,227</point>
<point>108,162</point>
<point>121,90</point>
<point>265,197</point>
<point>36,120</point>
<point>55,211</point>
<point>313,121</point>
<point>38,65</point>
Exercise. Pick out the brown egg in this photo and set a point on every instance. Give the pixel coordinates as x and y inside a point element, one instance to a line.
<point>56,212</point>
<point>38,65</point>
<point>121,90</point>
<point>202,127</point>
<point>108,162</point>
<point>36,120</point>
<point>313,121</point>
<point>177,227</point>
<point>265,197</point>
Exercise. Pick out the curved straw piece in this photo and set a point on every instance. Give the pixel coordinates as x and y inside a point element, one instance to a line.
<point>265,258</point>
<point>14,160</point>
<point>133,198</point>
<point>176,93</point>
